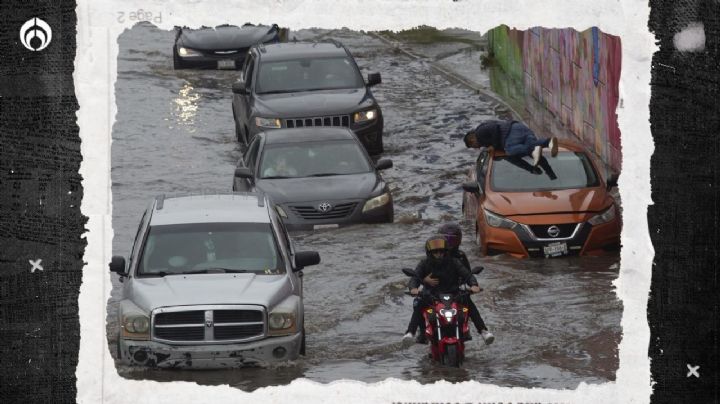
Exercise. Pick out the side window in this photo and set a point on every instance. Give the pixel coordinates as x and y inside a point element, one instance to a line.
<point>251,154</point>
<point>481,167</point>
<point>137,241</point>
<point>249,69</point>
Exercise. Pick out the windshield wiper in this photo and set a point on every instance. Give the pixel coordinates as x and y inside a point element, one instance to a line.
<point>160,274</point>
<point>277,92</point>
<point>325,174</point>
<point>274,177</point>
<point>217,270</point>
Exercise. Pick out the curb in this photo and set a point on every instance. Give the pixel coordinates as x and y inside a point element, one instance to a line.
<point>500,105</point>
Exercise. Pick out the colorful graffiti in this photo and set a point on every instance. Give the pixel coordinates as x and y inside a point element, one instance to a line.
<point>573,75</point>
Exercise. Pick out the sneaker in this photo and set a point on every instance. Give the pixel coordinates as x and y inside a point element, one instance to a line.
<point>407,339</point>
<point>536,155</point>
<point>553,146</point>
<point>488,337</point>
<point>421,338</point>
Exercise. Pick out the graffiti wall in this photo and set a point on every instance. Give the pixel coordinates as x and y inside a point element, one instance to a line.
<point>573,75</point>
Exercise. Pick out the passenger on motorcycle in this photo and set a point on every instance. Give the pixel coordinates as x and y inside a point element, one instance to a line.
<point>440,273</point>
<point>453,235</point>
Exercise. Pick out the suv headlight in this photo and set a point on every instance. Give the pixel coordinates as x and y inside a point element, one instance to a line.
<point>282,320</point>
<point>604,217</point>
<point>135,324</point>
<point>376,202</point>
<point>364,116</point>
<point>187,52</point>
<point>496,220</point>
<point>268,122</point>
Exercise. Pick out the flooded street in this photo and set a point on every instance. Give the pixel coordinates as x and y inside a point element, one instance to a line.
<point>556,321</point>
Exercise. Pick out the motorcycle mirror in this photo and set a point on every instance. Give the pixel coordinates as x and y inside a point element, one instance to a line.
<point>409,272</point>
<point>477,270</point>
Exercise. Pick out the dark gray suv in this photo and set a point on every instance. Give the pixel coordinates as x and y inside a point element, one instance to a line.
<point>296,85</point>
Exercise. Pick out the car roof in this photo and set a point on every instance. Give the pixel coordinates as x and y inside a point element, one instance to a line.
<point>211,208</point>
<point>301,135</point>
<point>563,146</point>
<point>297,50</point>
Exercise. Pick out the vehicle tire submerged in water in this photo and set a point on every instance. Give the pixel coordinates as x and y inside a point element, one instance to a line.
<point>451,356</point>
<point>177,63</point>
<point>302,343</point>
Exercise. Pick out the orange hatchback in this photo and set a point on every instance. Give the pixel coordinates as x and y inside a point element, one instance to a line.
<point>561,207</point>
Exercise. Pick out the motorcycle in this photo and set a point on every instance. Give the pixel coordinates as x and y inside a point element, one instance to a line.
<point>446,323</point>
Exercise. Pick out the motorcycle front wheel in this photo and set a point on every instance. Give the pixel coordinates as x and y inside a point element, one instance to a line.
<point>452,356</point>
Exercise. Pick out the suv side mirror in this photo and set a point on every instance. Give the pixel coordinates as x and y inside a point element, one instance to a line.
<point>243,172</point>
<point>384,164</point>
<point>373,78</point>
<point>471,187</point>
<point>117,265</point>
<point>306,258</point>
<point>238,87</point>
<point>612,181</point>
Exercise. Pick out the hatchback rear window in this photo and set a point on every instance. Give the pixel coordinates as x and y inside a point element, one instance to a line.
<point>566,171</point>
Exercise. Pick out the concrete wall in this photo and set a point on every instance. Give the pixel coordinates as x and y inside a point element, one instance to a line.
<point>571,75</point>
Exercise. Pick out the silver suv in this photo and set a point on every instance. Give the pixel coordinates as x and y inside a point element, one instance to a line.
<point>212,281</point>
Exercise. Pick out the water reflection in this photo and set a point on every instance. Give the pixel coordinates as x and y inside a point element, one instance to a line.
<point>186,105</point>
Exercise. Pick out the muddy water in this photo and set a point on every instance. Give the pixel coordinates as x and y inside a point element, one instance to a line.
<point>557,322</point>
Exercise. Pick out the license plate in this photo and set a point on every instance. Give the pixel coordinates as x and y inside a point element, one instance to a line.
<point>555,249</point>
<point>325,226</point>
<point>226,64</point>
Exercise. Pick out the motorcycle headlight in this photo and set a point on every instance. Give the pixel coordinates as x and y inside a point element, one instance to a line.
<point>604,217</point>
<point>448,313</point>
<point>495,220</point>
<point>376,202</point>
<point>364,116</point>
<point>282,320</point>
<point>268,122</point>
<point>187,52</point>
<point>281,212</point>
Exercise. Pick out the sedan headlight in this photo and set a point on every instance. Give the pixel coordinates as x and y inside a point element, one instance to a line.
<point>604,217</point>
<point>364,116</point>
<point>187,52</point>
<point>267,122</point>
<point>495,220</point>
<point>376,202</point>
<point>282,320</point>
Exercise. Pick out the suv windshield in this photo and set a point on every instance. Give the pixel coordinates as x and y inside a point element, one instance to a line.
<point>310,159</point>
<point>566,171</point>
<point>210,248</point>
<point>307,75</point>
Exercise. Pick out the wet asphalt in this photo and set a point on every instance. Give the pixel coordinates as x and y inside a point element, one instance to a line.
<point>556,321</point>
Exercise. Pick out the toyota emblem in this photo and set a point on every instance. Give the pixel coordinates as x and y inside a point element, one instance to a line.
<point>553,231</point>
<point>324,207</point>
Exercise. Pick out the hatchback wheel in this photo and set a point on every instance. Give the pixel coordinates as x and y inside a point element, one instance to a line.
<point>478,240</point>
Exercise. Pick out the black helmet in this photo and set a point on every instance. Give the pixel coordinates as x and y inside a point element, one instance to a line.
<point>435,243</point>
<point>452,233</point>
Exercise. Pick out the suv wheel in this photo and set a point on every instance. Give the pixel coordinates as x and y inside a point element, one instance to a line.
<point>177,63</point>
<point>302,343</point>
<point>376,147</point>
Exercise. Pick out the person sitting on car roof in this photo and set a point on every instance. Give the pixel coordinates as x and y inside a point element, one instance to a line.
<point>513,137</point>
<point>440,273</point>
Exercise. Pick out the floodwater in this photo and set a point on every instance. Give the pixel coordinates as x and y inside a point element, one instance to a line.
<point>556,321</point>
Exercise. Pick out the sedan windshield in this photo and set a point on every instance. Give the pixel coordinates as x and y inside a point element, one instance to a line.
<point>210,248</point>
<point>307,75</point>
<point>566,171</point>
<point>313,159</point>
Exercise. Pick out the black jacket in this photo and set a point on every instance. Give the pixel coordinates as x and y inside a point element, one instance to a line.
<point>449,272</point>
<point>460,256</point>
<point>492,133</point>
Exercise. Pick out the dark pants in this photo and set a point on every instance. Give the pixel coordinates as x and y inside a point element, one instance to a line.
<point>521,141</point>
<point>421,302</point>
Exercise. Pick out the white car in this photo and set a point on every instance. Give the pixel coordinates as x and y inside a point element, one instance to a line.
<point>212,281</point>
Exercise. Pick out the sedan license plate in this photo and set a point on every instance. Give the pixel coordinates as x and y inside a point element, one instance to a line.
<point>555,249</point>
<point>325,226</point>
<point>226,64</point>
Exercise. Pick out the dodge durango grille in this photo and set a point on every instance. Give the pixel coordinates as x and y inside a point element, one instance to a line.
<point>338,120</point>
<point>338,211</point>
<point>212,324</point>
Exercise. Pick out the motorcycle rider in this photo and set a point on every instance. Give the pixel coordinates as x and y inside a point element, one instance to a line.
<point>453,235</point>
<point>440,273</point>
